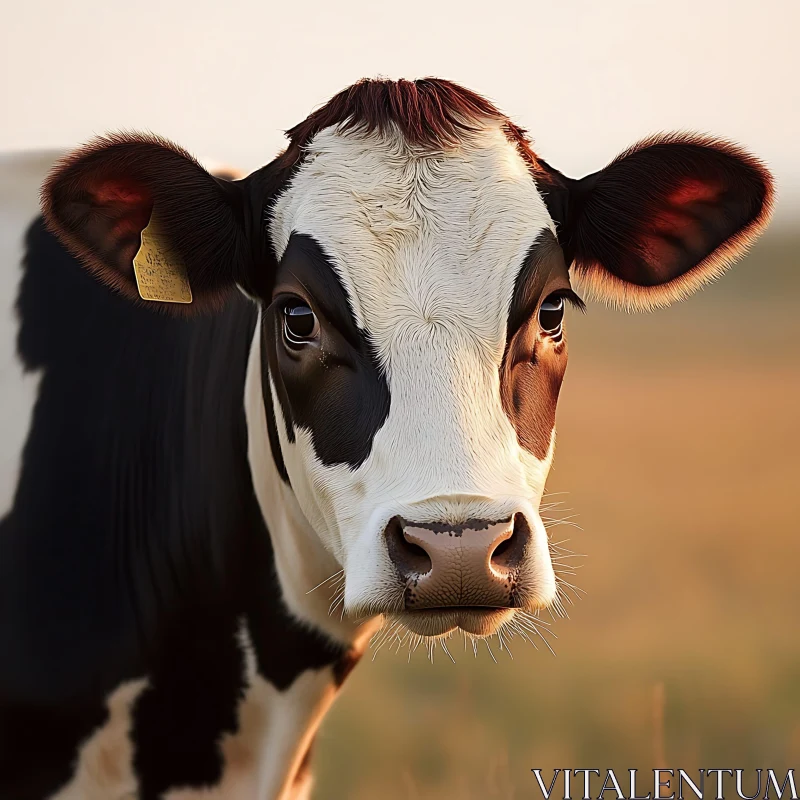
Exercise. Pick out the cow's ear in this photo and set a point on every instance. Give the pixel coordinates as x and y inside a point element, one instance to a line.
<point>100,199</point>
<point>664,218</point>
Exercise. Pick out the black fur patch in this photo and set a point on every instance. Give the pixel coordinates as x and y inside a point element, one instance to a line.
<point>37,746</point>
<point>272,423</point>
<point>135,546</point>
<point>336,391</point>
<point>195,684</point>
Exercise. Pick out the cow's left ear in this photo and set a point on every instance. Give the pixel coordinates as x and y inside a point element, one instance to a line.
<point>99,200</point>
<point>664,218</point>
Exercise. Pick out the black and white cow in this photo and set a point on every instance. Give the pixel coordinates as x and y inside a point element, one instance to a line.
<point>357,409</point>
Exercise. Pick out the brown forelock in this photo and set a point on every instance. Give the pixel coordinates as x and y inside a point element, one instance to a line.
<point>430,112</point>
<point>98,199</point>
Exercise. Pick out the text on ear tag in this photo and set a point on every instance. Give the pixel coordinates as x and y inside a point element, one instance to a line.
<point>160,274</point>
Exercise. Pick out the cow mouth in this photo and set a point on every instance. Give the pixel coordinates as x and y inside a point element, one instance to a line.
<point>475,620</point>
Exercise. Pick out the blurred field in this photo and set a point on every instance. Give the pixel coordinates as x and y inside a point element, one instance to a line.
<point>679,450</point>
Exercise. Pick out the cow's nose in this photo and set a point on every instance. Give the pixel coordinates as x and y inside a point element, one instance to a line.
<point>472,564</point>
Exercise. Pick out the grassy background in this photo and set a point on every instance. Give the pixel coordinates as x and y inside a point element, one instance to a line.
<point>679,442</point>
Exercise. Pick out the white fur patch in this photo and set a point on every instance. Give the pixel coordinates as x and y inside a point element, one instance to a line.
<point>103,769</point>
<point>428,247</point>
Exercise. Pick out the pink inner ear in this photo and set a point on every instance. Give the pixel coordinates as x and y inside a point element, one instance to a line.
<point>111,192</point>
<point>679,218</point>
<point>127,205</point>
<point>690,191</point>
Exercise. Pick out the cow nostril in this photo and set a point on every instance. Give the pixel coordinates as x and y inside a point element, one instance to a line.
<point>502,549</point>
<point>408,557</point>
<point>509,552</point>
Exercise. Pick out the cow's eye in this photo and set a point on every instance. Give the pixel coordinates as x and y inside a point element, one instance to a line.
<point>551,314</point>
<point>300,324</point>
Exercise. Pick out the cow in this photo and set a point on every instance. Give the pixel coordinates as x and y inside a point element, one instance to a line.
<point>316,400</point>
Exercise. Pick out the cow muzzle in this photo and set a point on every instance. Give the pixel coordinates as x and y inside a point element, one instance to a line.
<point>466,572</point>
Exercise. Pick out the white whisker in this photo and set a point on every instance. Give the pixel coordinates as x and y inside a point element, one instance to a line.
<point>489,648</point>
<point>336,575</point>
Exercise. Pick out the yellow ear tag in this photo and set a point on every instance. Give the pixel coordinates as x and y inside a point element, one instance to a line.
<point>160,274</point>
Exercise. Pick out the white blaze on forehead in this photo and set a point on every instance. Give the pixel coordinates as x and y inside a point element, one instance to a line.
<point>417,236</point>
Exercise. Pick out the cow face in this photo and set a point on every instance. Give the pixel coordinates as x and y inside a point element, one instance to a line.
<point>416,350</point>
<point>410,254</point>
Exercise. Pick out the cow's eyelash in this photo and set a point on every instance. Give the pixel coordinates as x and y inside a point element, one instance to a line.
<point>570,297</point>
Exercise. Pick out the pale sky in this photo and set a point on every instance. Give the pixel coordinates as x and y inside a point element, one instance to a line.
<point>585,78</point>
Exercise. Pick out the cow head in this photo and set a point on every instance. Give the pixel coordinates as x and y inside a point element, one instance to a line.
<point>413,261</point>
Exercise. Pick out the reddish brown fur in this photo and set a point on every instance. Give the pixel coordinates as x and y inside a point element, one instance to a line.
<point>430,112</point>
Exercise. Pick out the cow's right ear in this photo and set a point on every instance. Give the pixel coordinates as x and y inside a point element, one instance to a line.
<point>98,201</point>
